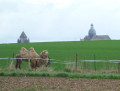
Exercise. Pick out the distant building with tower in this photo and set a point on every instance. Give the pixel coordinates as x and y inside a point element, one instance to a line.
<point>92,35</point>
<point>23,38</point>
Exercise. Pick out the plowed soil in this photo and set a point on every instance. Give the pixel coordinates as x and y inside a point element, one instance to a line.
<point>57,84</point>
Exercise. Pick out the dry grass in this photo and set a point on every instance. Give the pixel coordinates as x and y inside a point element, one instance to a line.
<point>12,66</point>
<point>44,69</point>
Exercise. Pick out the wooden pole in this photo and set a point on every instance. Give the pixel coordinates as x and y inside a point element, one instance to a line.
<point>108,63</point>
<point>119,67</point>
<point>84,63</point>
<point>13,57</point>
<point>76,61</point>
<point>95,62</point>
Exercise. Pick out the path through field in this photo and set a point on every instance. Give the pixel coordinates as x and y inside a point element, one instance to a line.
<point>56,84</point>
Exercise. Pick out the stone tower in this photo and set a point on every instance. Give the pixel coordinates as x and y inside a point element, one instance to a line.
<point>23,38</point>
<point>91,32</point>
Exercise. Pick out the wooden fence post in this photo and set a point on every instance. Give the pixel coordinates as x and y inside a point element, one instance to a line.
<point>108,64</point>
<point>95,62</point>
<point>118,66</point>
<point>76,62</point>
<point>84,63</point>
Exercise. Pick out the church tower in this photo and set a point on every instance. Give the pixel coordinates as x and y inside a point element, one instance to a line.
<point>92,35</point>
<point>91,32</point>
<point>23,38</point>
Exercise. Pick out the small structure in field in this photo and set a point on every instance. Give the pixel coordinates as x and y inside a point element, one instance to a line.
<point>93,36</point>
<point>23,38</point>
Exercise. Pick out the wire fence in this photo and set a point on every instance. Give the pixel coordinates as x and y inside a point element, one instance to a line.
<point>83,65</point>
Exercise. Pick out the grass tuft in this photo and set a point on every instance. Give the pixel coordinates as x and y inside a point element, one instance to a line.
<point>2,73</point>
<point>44,69</point>
<point>71,68</point>
<point>62,74</point>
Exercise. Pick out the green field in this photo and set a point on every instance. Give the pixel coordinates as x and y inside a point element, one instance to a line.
<point>66,51</point>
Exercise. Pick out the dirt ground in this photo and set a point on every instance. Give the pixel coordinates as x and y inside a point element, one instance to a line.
<point>56,84</point>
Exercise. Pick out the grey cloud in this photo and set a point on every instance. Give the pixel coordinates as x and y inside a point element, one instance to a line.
<point>69,23</point>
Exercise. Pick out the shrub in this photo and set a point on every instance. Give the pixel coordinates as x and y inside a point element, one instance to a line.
<point>45,74</point>
<point>2,74</point>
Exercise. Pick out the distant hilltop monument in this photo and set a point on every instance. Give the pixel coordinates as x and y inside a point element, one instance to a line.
<point>92,35</point>
<point>23,38</point>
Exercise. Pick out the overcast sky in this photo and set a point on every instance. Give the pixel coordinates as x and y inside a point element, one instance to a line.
<point>58,20</point>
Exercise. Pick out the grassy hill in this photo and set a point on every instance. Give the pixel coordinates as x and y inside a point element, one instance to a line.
<point>65,51</point>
